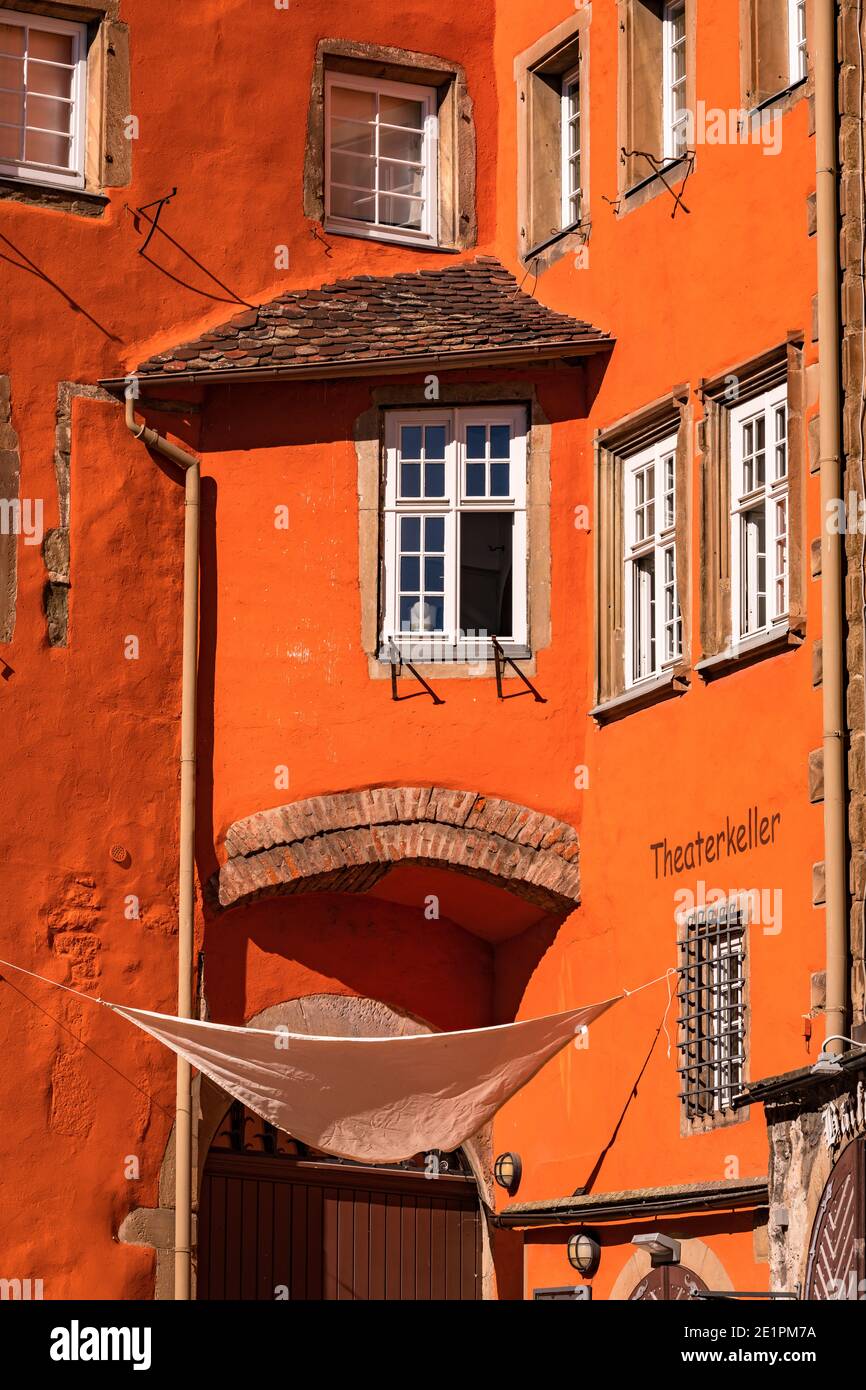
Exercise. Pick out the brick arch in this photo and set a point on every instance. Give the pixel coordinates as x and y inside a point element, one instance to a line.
<point>348,841</point>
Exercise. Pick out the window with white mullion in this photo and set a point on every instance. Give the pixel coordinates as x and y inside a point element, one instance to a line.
<point>759,494</point>
<point>797,41</point>
<point>675,106</point>
<point>380,156</point>
<point>570,137</point>
<point>455,531</point>
<point>653,617</point>
<point>42,82</point>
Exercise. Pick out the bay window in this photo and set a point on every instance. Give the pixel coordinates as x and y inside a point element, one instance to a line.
<point>455,548</point>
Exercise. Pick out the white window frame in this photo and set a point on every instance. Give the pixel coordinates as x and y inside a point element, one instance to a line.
<point>571,117</point>
<point>449,644</point>
<point>653,618</point>
<point>24,170</point>
<point>798,51</point>
<point>375,231</point>
<point>674,117</point>
<point>768,499</point>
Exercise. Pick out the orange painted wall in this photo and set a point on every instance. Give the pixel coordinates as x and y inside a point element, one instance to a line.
<point>92,741</point>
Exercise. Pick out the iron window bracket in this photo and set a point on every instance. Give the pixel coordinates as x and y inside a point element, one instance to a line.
<point>500,661</point>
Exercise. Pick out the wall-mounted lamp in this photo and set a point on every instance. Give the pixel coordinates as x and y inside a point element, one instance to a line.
<point>663,1250</point>
<point>507,1171</point>
<point>829,1063</point>
<point>584,1253</point>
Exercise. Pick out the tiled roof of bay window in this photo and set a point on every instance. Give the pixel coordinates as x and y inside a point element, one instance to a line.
<point>464,314</point>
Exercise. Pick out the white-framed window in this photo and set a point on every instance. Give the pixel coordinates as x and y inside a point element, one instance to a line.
<point>654,627</point>
<point>675,115</point>
<point>570,137</point>
<point>42,98</point>
<point>381,176</point>
<point>759,514</point>
<point>455,533</point>
<point>797,45</point>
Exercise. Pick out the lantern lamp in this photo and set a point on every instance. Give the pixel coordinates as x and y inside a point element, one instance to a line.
<point>507,1171</point>
<point>584,1253</point>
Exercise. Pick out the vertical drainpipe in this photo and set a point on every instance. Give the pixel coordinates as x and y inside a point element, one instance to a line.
<point>832,587</point>
<point>186,893</point>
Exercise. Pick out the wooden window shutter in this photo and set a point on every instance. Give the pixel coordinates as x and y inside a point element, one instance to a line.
<point>768,69</point>
<point>610,618</point>
<point>715,530</point>
<point>644,96</point>
<point>545,203</point>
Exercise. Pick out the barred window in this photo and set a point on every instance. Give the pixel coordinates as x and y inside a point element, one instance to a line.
<point>712,1009</point>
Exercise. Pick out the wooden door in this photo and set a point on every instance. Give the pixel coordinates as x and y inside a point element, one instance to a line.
<point>279,1223</point>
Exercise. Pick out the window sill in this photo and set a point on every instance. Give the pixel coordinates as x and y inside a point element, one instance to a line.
<point>753,649</point>
<point>666,687</point>
<point>568,239</point>
<point>58,197</point>
<point>460,667</point>
<point>782,100</point>
<point>656,182</point>
<point>417,244</point>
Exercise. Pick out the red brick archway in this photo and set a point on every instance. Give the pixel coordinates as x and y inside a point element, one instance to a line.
<point>348,841</point>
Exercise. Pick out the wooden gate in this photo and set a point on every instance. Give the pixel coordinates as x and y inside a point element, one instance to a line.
<point>277,1220</point>
<point>837,1264</point>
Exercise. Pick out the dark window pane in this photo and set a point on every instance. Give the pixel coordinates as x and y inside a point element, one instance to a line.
<point>500,441</point>
<point>434,574</point>
<point>408,605</point>
<point>434,442</point>
<point>434,533</point>
<point>410,480</point>
<point>410,573</point>
<point>410,441</point>
<point>485,572</point>
<point>437,605</point>
<point>434,480</point>
<point>476,438</point>
<point>475,479</point>
<point>410,533</point>
<point>499,479</point>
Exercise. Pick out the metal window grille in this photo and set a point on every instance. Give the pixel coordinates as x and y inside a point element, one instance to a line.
<point>712,1009</point>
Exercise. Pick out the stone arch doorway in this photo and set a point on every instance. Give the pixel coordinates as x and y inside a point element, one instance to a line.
<point>280,1221</point>
<point>837,1251</point>
<point>332,1015</point>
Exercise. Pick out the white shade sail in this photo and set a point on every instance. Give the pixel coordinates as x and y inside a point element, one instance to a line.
<point>372,1100</point>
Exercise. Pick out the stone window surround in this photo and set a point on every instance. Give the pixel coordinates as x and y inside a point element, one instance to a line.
<point>369,448</point>
<point>783,362</point>
<point>108,154</point>
<point>539,125</point>
<point>753,98</point>
<point>638,183</point>
<point>458,223</point>
<point>722,1119</point>
<point>670,414</point>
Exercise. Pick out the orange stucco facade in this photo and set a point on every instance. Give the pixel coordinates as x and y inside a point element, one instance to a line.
<point>90,787</point>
